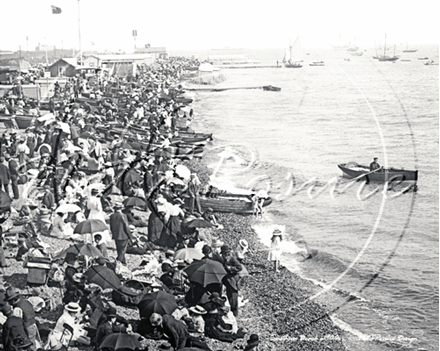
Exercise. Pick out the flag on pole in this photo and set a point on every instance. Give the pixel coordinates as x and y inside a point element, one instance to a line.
<point>55,10</point>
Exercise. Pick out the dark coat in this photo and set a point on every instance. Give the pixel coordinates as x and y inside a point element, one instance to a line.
<point>232,266</point>
<point>14,327</point>
<point>5,176</point>
<point>48,199</point>
<point>13,168</point>
<point>119,226</point>
<point>28,311</point>
<point>176,331</point>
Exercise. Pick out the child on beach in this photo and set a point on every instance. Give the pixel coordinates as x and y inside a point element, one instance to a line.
<point>275,248</point>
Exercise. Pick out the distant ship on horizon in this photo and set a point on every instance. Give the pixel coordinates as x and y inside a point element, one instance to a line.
<point>227,48</point>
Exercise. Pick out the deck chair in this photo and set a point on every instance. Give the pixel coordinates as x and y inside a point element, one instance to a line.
<point>67,335</point>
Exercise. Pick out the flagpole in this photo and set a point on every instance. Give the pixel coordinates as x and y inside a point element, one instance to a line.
<point>79,36</point>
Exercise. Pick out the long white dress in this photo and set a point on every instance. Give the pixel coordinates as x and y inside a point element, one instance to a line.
<point>95,207</point>
<point>275,249</point>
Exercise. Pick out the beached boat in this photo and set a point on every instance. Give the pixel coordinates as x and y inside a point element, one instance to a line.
<point>317,63</point>
<point>353,170</point>
<point>228,203</point>
<point>431,63</point>
<point>294,55</point>
<point>24,121</point>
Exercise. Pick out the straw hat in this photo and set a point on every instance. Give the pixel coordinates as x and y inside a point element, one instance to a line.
<point>217,243</point>
<point>72,307</point>
<point>243,243</point>
<point>197,309</point>
<point>77,277</point>
<point>277,232</point>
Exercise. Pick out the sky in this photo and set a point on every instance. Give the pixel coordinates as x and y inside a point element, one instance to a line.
<point>202,25</point>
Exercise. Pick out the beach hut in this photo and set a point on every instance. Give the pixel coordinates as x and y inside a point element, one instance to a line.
<point>65,67</point>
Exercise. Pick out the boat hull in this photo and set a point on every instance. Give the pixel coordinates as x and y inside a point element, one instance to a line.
<point>24,122</point>
<point>379,176</point>
<point>228,203</point>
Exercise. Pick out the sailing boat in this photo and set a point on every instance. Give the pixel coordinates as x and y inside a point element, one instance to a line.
<point>384,57</point>
<point>409,50</point>
<point>294,55</point>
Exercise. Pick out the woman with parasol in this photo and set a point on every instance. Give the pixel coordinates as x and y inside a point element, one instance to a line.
<point>96,212</point>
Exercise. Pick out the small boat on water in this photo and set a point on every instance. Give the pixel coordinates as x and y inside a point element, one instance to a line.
<point>422,58</point>
<point>228,203</point>
<point>294,55</point>
<point>353,170</point>
<point>271,88</point>
<point>317,63</point>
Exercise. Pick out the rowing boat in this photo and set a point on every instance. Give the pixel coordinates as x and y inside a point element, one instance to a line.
<point>24,121</point>
<point>353,170</point>
<point>227,203</point>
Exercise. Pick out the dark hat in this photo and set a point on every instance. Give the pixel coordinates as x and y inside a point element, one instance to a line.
<point>225,249</point>
<point>7,309</point>
<point>70,257</point>
<point>95,191</point>
<point>166,267</point>
<point>217,299</point>
<point>206,249</point>
<point>21,342</point>
<point>101,261</point>
<point>165,346</point>
<point>111,312</point>
<point>253,340</point>
<point>11,294</point>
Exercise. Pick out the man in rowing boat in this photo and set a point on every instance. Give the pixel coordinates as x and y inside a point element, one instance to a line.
<point>374,165</point>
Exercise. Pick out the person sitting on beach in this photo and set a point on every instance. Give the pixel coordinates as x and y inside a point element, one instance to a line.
<point>252,343</point>
<point>100,245</point>
<point>242,249</point>
<point>208,215</point>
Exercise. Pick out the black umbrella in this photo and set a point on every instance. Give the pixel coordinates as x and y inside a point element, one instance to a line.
<point>199,223</point>
<point>132,177</point>
<point>120,341</point>
<point>103,276</point>
<point>158,302</point>
<point>205,272</point>
<point>134,201</point>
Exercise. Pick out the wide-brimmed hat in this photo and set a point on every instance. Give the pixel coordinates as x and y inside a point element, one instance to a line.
<point>180,263</point>
<point>243,243</point>
<point>197,309</point>
<point>77,277</point>
<point>217,299</point>
<point>118,205</point>
<point>72,307</point>
<point>170,252</point>
<point>217,243</point>
<point>132,227</point>
<point>63,157</point>
<point>277,232</point>
<point>11,294</point>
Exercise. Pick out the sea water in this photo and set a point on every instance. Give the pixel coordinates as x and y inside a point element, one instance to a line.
<point>374,259</point>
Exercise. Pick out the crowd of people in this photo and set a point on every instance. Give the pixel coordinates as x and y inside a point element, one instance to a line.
<point>79,177</point>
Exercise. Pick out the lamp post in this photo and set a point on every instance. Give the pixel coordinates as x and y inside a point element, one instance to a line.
<point>79,36</point>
